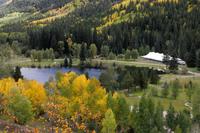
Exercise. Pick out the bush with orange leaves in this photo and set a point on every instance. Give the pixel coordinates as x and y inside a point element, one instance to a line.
<point>79,102</point>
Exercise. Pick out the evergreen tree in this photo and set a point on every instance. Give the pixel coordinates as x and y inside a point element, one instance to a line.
<point>108,123</point>
<point>108,80</point>
<point>198,60</point>
<point>191,57</point>
<point>127,82</point>
<point>159,118</point>
<point>175,88</point>
<point>145,116</point>
<point>189,90</point>
<point>66,63</point>
<point>93,50</point>
<point>184,122</point>
<point>134,54</point>
<point>70,62</point>
<point>122,112</point>
<point>196,106</point>
<point>166,60</point>
<point>17,74</point>
<point>82,54</point>
<point>173,64</point>
<point>105,51</point>
<point>171,119</point>
<point>128,54</point>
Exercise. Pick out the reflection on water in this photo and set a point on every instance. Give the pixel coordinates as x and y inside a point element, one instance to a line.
<point>43,74</point>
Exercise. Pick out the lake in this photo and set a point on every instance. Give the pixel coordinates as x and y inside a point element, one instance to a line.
<point>44,74</point>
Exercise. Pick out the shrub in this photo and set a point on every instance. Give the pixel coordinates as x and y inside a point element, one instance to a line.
<point>135,54</point>
<point>20,107</point>
<point>120,56</point>
<point>111,56</point>
<point>154,92</point>
<point>165,90</point>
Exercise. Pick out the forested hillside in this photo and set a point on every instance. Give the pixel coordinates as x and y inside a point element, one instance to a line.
<point>169,26</point>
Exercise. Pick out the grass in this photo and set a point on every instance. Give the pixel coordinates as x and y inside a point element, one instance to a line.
<point>178,103</point>
<point>139,63</point>
<point>194,69</point>
<point>26,62</point>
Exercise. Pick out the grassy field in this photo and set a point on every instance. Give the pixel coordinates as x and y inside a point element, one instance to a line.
<point>177,103</point>
<point>139,63</point>
<point>26,62</point>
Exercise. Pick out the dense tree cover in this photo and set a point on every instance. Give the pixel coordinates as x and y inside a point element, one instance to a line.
<point>39,55</point>
<point>32,5</point>
<point>74,103</point>
<point>167,27</point>
<point>130,78</point>
<point>28,95</point>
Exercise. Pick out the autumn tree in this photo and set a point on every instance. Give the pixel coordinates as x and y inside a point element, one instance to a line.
<point>35,92</point>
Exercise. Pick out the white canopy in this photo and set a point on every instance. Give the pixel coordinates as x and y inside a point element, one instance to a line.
<point>159,57</point>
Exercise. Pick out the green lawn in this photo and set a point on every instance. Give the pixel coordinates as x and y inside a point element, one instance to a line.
<point>178,103</point>
<point>139,62</point>
<point>193,69</point>
<point>26,62</point>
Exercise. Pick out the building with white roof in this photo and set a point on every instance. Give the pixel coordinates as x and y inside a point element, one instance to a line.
<point>160,56</point>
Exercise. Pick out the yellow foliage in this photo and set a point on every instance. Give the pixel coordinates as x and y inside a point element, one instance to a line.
<point>86,95</point>
<point>6,85</point>
<point>79,84</point>
<point>34,91</point>
<point>65,80</point>
<point>87,99</point>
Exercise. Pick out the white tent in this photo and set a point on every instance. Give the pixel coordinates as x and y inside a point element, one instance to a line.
<point>159,57</point>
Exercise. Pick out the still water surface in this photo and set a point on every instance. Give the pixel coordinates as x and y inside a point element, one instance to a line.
<point>44,74</point>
